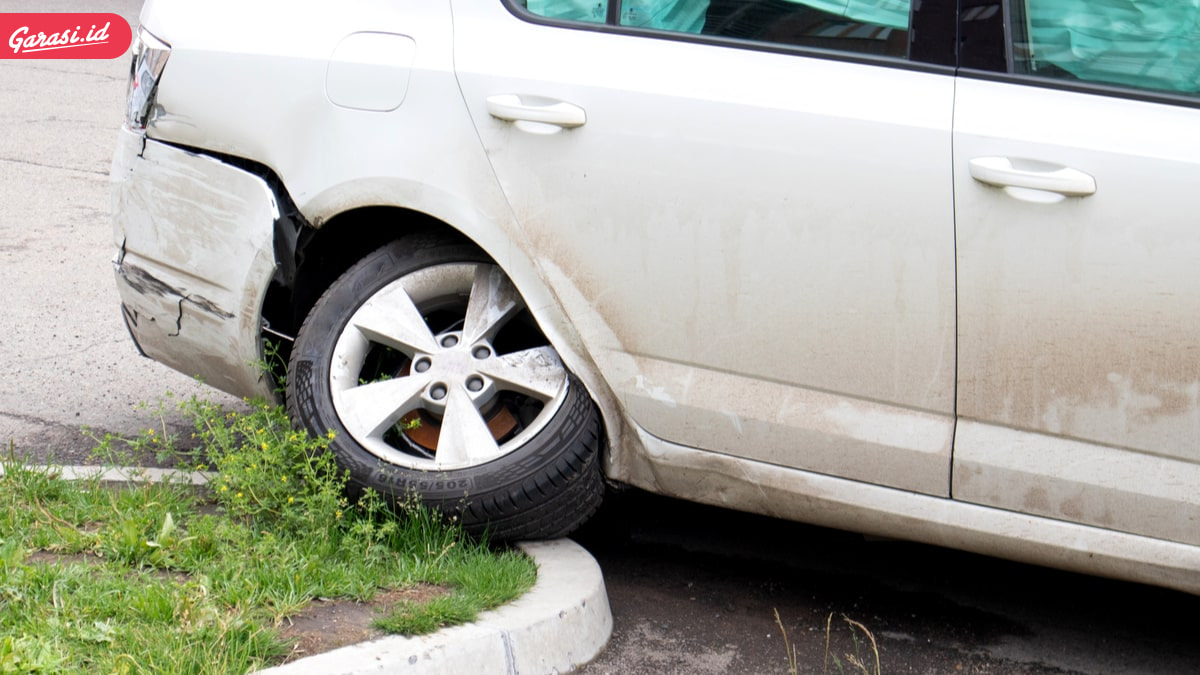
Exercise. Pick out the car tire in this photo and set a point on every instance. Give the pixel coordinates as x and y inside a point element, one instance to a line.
<point>435,381</point>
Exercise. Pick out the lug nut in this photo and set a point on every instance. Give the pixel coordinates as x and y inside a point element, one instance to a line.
<point>422,365</point>
<point>437,392</point>
<point>449,341</point>
<point>481,352</point>
<point>475,383</point>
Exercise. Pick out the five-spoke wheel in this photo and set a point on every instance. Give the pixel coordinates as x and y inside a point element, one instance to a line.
<point>425,362</point>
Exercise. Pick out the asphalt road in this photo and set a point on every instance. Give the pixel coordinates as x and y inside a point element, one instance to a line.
<point>693,589</point>
<point>65,359</point>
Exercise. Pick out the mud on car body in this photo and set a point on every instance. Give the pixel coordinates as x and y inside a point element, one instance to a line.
<point>871,265</point>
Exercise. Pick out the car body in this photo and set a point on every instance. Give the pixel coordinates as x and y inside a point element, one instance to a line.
<point>923,272</point>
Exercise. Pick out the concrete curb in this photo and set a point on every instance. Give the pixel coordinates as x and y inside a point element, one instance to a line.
<point>561,623</point>
<point>124,474</point>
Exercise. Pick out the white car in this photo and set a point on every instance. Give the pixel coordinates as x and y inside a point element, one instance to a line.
<point>927,272</point>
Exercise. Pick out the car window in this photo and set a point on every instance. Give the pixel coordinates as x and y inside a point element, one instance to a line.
<point>570,10</point>
<point>1147,44</point>
<point>861,26</point>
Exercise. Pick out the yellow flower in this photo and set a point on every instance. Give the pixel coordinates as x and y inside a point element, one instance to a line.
<point>338,515</point>
<point>331,434</point>
<point>291,499</point>
<point>224,488</point>
<point>283,479</point>
<point>264,445</point>
<point>239,495</point>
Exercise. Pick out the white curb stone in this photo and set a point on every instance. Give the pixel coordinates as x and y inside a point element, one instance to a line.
<point>561,623</point>
<point>124,474</point>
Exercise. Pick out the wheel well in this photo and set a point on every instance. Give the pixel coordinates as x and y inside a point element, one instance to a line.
<point>323,254</point>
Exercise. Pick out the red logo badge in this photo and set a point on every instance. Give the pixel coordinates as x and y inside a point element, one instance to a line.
<point>64,36</point>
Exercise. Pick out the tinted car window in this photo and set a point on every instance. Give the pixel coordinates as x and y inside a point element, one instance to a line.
<point>594,11</point>
<point>871,27</point>
<point>1147,44</point>
<point>862,26</point>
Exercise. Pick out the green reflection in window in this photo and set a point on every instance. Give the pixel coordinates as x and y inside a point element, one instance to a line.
<point>1148,44</point>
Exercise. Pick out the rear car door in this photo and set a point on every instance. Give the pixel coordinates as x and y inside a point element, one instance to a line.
<point>746,209</point>
<point>1076,167</point>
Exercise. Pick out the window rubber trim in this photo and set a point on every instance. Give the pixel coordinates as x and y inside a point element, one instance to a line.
<point>1093,88</point>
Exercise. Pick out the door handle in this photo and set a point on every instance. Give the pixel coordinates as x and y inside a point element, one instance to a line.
<point>516,108</point>
<point>1032,174</point>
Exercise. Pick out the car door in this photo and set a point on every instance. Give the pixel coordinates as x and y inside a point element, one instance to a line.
<point>746,209</point>
<point>1076,167</point>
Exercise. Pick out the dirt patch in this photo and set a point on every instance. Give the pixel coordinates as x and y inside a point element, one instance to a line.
<point>327,624</point>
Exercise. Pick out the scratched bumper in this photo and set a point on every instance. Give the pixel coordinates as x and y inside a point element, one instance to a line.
<point>193,262</point>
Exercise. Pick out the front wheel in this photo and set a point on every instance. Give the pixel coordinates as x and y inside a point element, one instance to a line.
<point>436,382</point>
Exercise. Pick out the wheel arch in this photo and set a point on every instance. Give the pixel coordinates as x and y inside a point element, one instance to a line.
<point>351,219</point>
<point>342,227</point>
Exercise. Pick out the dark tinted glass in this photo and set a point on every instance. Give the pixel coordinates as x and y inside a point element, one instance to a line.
<point>861,26</point>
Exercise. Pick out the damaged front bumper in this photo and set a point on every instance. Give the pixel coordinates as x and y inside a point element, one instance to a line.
<point>194,260</point>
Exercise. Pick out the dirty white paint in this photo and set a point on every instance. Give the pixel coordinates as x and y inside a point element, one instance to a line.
<point>657,394</point>
<point>1079,320</point>
<point>859,507</point>
<point>740,246</point>
<point>177,215</point>
<point>791,426</point>
<point>718,221</point>
<point>1080,482</point>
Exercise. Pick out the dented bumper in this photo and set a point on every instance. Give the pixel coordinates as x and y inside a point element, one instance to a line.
<point>194,259</point>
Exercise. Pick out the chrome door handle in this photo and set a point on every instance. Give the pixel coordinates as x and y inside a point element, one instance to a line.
<point>1032,174</point>
<point>517,108</point>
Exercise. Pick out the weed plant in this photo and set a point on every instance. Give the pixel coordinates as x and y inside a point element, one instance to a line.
<point>854,661</point>
<point>168,577</point>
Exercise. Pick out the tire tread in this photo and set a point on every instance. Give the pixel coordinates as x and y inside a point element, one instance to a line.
<point>544,489</point>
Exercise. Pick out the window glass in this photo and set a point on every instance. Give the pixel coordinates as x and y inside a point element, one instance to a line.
<point>863,26</point>
<point>570,10</point>
<point>681,16</point>
<point>1148,44</point>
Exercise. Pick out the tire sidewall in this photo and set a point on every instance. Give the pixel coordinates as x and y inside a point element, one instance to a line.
<point>310,400</point>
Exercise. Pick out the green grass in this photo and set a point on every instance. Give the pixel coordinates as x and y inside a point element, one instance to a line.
<point>173,578</point>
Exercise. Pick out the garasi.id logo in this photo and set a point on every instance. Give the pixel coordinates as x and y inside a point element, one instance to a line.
<point>64,36</point>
